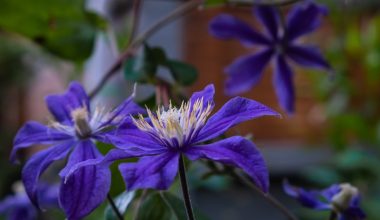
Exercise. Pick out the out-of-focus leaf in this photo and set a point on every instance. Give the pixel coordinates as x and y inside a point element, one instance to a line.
<point>154,207</point>
<point>185,74</point>
<point>322,175</point>
<point>61,26</point>
<point>175,204</point>
<point>122,202</point>
<point>143,67</point>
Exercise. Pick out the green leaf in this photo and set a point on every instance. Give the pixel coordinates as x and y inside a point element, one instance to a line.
<point>143,67</point>
<point>175,204</point>
<point>185,74</point>
<point>122,202</point>
<point>154,207</point>
<point>63,27</point>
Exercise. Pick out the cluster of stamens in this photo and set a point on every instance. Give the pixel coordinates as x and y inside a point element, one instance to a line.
<point>84,125</point>
<point>343,199</point>
<point>175,126</point>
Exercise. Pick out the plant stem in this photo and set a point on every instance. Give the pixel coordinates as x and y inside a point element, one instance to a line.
<point>273,201</point>
<point>115,209</point>
<point>129,51</point>
<point>185,189</point>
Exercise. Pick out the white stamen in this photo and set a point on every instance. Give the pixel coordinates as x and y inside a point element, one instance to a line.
<point>176,123</point>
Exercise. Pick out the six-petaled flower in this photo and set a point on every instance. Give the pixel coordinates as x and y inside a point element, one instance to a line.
<point>161,139</point>
<point>342,199</point>
<point>74,130</point>
<point>279,44</point>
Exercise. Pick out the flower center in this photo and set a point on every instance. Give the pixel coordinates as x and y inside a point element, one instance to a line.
<point>81,122</point>
<point>342,200</point>
<point>174,127</point>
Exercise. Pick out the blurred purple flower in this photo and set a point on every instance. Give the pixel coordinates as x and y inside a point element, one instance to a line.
<point>164,136</point>
<point>342,199</point>
<point>246,71</point>
<point>19,207</point>
<point>74,129</point>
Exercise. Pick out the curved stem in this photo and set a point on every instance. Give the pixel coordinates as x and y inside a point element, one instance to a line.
<point>273,201</point>
<point>182,10</point>
<point>114,208</point>
<point>185,189</point>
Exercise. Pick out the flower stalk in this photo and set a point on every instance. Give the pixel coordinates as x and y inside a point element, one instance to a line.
<point>114,208</point>
<point>185,189</point>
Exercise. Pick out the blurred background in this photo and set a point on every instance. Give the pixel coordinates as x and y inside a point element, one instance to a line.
<point>334,135</point>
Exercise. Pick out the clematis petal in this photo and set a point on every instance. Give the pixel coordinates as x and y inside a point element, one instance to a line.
<point>35,133</point>
<point>236,151</point>
<point>86,189</point>
<point>330,192</point>
<point>227,27</point>
<point>48,195</point>
<point>246,71</point>
<point>235,111</point>
<point>128,135</point>
<point>307,56</point>
<point>269,17</point>
<point>303,19</point>
<point>310,199</point>
<point>37,164</point>
<point>156,172</point>
<point>207,94</point>
<point>62,105</point>
<point>112,156</point>
<point>284,86</point>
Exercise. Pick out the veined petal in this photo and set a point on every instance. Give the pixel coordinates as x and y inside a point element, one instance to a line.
<point>303,19</point>
<point>227,27</point>
<point>86,189</point>
<point>330,192</point>
<point>246,71</point>
<point>236,151</point>
<point>112,156</point>
<point>307,56</point>
<point>35,133</point>
<point>269,17</point>
<point>235,111</point>
<point>127,136</point>
<point>37,164</point>
<point>156,172</point>
<point>62,105</point>
<point>283,83</point>
<point>310,199</point>
<point>207,94</point>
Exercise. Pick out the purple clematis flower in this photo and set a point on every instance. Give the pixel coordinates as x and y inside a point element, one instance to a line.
<point>343,200</point>
<point>19,207</point>
<point>278,44</point>
<point>169,133</point>
<point>74,130</point>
